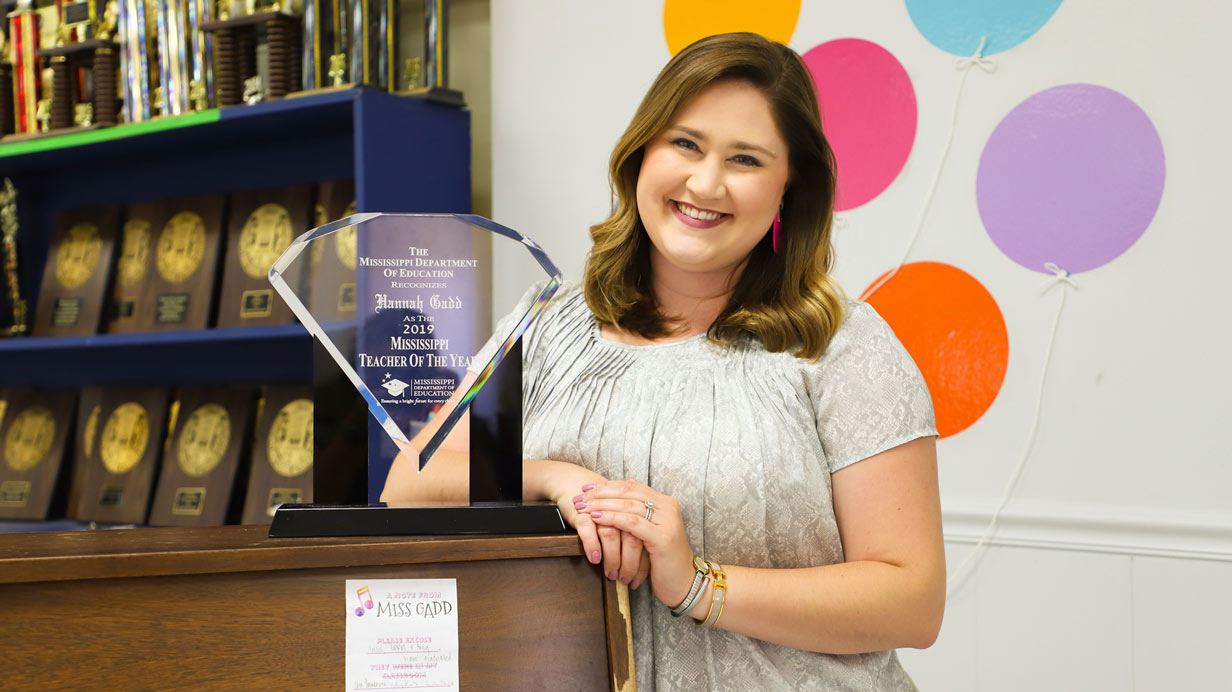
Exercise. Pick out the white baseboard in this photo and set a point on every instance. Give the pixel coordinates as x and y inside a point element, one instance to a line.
<point>1120,530</point>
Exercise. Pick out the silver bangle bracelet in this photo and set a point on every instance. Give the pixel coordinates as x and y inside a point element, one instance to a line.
<point>695,591</point>
<point>694,598</point>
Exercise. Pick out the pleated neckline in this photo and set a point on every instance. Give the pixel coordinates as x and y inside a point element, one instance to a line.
<point>597,336</point>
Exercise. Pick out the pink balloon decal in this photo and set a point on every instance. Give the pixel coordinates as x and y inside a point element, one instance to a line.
<point>868,112</point>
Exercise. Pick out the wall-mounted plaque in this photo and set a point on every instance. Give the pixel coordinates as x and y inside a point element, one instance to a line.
<point>203,453</point>
<point>281,452</point>
<point>33,433</point>
<point>120,473</point>
<point>85,442</point>
<point>128,306</point>
<point>331,266</point>
<point>77,272</point>
<point>186,247</point>
<point>262,225</point>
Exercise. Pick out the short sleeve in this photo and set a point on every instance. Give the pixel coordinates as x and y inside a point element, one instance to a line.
<point>867,392</point>
<point>505,324</point>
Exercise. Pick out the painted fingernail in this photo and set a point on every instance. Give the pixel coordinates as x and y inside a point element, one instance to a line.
<point>626,580</point>
<point>634,585</point>
<point>578,498</point>
<point>579,506</point>
<point>594,558</point>
<point>588,486</point>
<point>596,515</point>
<point>612,574</point>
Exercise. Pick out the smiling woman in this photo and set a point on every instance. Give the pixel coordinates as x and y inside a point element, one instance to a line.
<point>730,127</point>
<point>753,454</point>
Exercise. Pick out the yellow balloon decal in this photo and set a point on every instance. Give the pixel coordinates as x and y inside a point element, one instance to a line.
<point>685,21</point>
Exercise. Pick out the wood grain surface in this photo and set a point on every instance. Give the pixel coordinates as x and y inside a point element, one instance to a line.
<point>225,608</point>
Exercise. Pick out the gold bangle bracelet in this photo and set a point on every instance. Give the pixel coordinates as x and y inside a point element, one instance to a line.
<point>719,597</point>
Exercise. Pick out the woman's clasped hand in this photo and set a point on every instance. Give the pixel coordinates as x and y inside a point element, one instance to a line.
<point>649,521</point>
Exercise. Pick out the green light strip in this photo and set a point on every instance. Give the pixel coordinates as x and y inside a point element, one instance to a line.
<point>105,134</point>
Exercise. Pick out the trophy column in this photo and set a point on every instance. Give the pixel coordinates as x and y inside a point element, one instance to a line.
<point>282,37</point>
<point>61,93</point>
<point>6,99</point>
<point>226,68</point>
<point>106,105</point>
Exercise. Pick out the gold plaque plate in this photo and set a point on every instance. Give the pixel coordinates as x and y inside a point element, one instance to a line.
<point>111,497</point>
<point>283,496</point>
<point>29,438</point>
<point>204,440</point>
<point>78,255</point>
<point>181,247</point>
<point>188,501</point>
<point>14,493</point>
<point>91,429</point>
<point>346,245</point>
<point>134,252</point>
<point>256,303</point>
<point>290,439</point>
<point>124,437</point>
<point>267,233</point>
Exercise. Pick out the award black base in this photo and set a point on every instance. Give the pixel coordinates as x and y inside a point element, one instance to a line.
<point>307,521</point>
<point>341,420</point>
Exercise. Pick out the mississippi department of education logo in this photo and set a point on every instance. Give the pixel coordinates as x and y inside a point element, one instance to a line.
<point>394,386</point>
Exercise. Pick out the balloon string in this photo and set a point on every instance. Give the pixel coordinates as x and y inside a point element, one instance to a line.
<point>1060,277</point>
<point>964,66</point>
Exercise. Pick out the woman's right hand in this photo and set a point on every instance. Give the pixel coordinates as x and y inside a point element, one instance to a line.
<point>561,482</point>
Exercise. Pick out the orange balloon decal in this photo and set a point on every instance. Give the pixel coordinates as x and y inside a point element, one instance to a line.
<point>685,21</point>
<point>954,330</point>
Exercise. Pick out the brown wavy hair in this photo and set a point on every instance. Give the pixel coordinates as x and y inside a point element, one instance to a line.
<point>788,299</point>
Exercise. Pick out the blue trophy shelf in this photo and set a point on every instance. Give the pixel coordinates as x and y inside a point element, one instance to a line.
<point>405,155</point>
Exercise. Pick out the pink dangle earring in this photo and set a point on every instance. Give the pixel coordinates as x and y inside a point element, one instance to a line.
<point>776,232</point>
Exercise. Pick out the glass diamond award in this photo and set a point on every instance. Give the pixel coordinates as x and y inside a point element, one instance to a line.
<point>401,303</point>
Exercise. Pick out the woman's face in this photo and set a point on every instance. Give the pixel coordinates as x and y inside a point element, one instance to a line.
<point>711,184</point>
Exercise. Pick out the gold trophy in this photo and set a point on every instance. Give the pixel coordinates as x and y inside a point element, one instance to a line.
<point>24,38</point>
<point>8,231</point>
<point>84,64</point>
<point>138,58</point>
<point>185,55</point>
<point>257,50</point>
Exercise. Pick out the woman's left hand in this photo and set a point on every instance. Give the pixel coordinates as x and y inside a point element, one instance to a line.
<point>623,505</point>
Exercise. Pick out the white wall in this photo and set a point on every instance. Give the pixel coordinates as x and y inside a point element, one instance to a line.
<point>1111,568</point>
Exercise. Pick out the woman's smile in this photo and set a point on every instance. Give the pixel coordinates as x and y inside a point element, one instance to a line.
<point>697,217</point>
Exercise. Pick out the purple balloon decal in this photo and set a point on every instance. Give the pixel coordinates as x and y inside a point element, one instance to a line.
<point>1073,175</point>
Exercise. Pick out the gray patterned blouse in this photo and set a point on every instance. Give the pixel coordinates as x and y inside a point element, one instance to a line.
<point>745,440</point>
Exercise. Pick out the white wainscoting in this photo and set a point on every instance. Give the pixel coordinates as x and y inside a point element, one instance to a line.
<point>1118,530</point>
<point>1085,599</point>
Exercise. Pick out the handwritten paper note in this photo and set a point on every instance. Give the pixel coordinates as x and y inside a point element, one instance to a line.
<point>401,634</point>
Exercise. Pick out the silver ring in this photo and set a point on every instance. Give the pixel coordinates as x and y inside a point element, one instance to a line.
<point>649,510</point>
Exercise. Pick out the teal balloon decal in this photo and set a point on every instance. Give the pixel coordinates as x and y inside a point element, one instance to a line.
<point>956,26</point>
